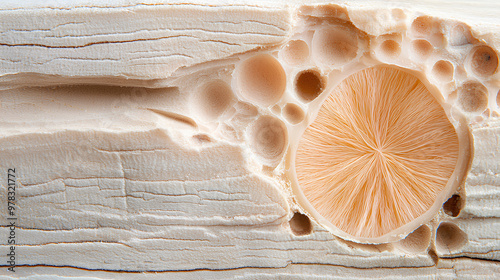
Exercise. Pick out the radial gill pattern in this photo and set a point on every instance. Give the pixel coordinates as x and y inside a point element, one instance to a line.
<point>377,155</point>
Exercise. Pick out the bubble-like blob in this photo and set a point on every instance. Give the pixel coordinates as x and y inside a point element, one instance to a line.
<point>268,139</point>
<point>483,61</point>
<point>261,79</point>
<point>417,241</point>
<point>212,99</point>
<point>443,71</point>
<point>293,113</point>
<point>295,52</point>
<point>334,46</point>
<point>421,49</point>
<point>473,97</point>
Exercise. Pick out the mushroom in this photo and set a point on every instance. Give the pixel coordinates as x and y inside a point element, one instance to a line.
<point>378,155</point>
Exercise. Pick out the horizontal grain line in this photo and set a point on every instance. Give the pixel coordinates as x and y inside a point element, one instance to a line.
<point>221,269</point>
<point>98,43</point>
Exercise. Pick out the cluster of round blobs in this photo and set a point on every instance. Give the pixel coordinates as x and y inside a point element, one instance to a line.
<point>469,73</point>
<point>262,80</point>
<point>284,84</point>
<point>456,61</point>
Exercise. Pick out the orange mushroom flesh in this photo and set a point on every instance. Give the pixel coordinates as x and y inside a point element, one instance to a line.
<point>378,154</point>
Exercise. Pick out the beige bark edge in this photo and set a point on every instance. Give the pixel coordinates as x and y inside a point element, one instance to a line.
<point>241,231</point>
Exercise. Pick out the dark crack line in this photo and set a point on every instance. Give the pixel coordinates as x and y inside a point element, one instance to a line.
<point>470,258</point>
<point>218,269</point>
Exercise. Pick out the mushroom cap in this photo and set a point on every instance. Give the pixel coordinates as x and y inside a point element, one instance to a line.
<point>379,154</point>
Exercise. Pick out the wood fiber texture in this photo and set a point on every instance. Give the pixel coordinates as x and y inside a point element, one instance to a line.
<point>124,169</point>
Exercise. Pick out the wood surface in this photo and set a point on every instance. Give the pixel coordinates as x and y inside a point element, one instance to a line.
<point>119,175</point>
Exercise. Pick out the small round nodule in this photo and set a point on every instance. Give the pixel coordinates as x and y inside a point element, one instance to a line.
<point>450,238</point>
<point>390,48</point>
<point>484,61</point>
<point>421,49</point>
<point>268,139</point>
<point>443,71</point>
<point>293,113</point>
<point>423,25</point>
<point>473,97</point>
<point>261,79</point>
<point>334,47</point>
<point>213,99</point>
<point>300,224</point>
<point>296,52</point>
<point>309,84</point>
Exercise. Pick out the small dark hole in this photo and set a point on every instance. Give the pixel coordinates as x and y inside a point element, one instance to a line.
<point>453,205</point>
<point>300,224</point>
<point>309,85</point>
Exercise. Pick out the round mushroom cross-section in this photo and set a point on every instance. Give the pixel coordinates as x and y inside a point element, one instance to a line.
<point>377,158</point>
